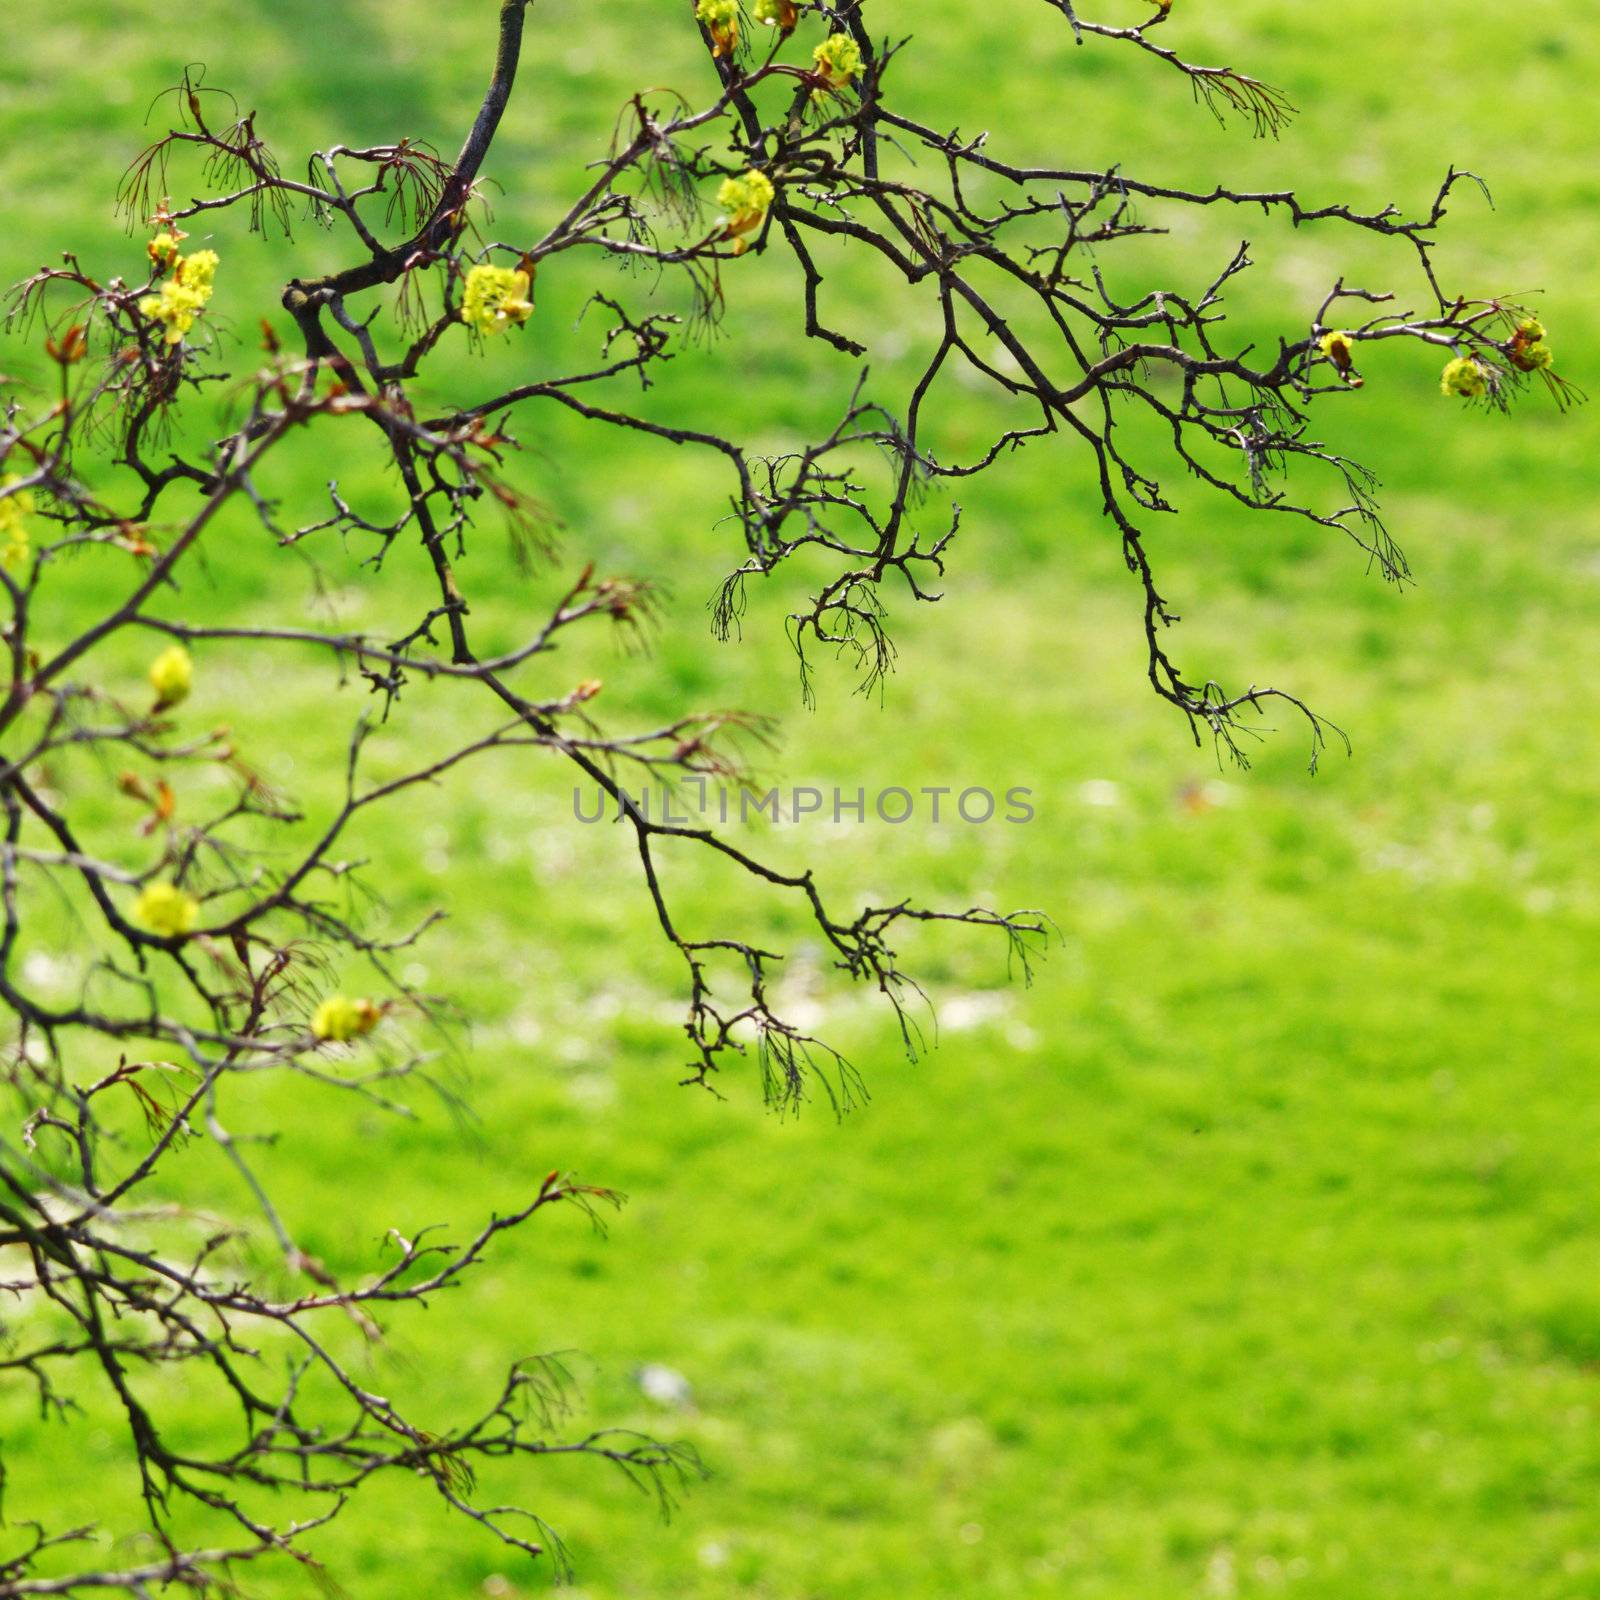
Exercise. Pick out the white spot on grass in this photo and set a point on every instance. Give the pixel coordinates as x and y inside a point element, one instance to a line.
<point>664,1385</point>
<point>963,1012</point>
<point>1101,792</point>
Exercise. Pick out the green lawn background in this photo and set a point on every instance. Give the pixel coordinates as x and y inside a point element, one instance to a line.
<point>1252,1249</point>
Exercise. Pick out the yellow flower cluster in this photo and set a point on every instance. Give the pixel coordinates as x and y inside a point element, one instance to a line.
<point>838,60</point>
<point>184,295</point>
<point>15,510</point>
<point>198,271</point>
<point>341,1019</point>
<point>720,18</point>
<point>1464,378</point>
<point>166,909</point>
<point>779,14</point>
<point>495,298</point>
<point>171,676</point>
<point>1530,351</point>
<point>745,201</point>
<point>163,249</point>
<point>1339,348</point>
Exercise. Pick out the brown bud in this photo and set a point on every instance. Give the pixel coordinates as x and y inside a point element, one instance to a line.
<point>71,347</point>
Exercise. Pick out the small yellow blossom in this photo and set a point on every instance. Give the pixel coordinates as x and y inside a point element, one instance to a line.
<point>163,249</point>
<point>184,295</point>
<point>720,18</point>
<point>166,909</point>
<point>15,510</point>
<point>198,272</point>
<point>1464,377</point>
<point>1529,350</point>
<point>340,1019</point>
<point>172,676</point>
<point>745,201</point>
<point>779,14</point>
<point>175,306</point>
<point>496,297</point>
<point>838,60</point>
<point>1339,348</point>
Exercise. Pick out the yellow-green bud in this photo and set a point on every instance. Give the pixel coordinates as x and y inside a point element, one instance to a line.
<point>172,676</point>
<point>496,297</point>
<point>720,18</point>
<point>1339,348</point>
<point>1465,378</point>
<point>341,1019</point>
<point>745,200</point>
<point>166,909</point>
<point>838,60</point>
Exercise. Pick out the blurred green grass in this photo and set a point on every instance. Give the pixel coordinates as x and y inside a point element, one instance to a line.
<point>1251,1250</point>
